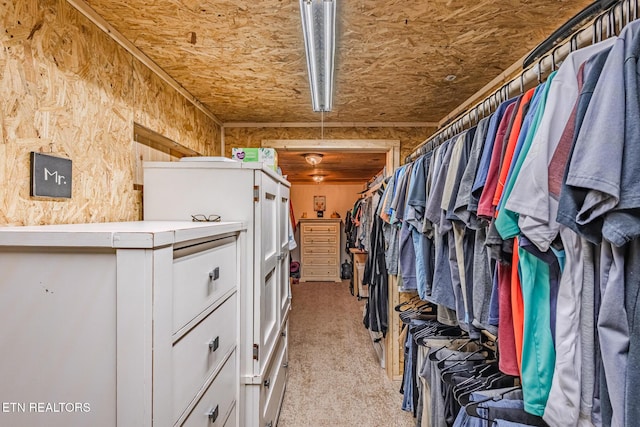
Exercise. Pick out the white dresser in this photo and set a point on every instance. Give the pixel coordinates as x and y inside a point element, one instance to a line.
<point>320,250</point>
<point>128,324</point>
<point>259,197</point>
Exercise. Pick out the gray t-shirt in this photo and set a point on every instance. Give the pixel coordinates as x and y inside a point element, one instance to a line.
<point>611,130</point>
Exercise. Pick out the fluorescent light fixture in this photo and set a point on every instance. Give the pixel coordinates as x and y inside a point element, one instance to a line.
<point>319,29</point>
<point>313,159</point>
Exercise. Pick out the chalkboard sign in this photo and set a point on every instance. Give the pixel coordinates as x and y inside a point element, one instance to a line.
<point>50,176</point>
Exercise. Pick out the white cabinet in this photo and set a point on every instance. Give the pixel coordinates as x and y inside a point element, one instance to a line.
<point>256,196</point>
<point>129,324</point>
<point>320,250</point>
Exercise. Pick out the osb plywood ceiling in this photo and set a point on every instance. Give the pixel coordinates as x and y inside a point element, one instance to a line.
<point>245,59</point>
<point>335,167</point>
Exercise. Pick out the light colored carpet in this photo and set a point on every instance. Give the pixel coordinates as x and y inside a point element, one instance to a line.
<point>334,376</point>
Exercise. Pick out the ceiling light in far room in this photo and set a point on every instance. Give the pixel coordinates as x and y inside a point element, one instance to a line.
<point>313,159</point>
<point>318,178</point>
<point>319,30</point>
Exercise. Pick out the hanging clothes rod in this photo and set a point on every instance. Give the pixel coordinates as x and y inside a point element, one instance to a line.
<point>607,24</point>
<point>567,29</point>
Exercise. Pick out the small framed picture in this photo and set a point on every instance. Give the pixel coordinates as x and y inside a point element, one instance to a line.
<point>319,203</point>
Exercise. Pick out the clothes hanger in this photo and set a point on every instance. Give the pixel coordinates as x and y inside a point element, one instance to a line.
<point>458,364</point>
<point>427,332</point>
<point>417,306</point>
<point>477,384</point>
<point>451,333</point>
<point>482,369</point>
<point>417,312</point>
<point>472,408</point>
<point>463,396</point>
<point>434,358</point>
<point>441,363</point>
<point>539,72</point>
<point>464,362</point>
<point>414,299</point>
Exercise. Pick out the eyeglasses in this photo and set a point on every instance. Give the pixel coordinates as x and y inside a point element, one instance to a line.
<point>204,218</point>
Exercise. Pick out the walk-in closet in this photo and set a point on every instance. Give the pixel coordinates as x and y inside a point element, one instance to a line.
<point>317,213</point>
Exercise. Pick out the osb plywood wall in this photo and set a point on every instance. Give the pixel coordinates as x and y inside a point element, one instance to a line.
<point>252,137</point>
<point>164,110</point>
<point>69,90</point>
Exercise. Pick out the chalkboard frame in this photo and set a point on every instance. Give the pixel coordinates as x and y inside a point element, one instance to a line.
<point>51,176</point>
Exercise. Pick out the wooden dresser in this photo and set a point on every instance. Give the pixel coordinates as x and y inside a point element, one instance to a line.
<point>320,250</point>
<point>128,324</point>
<point>259,198</point>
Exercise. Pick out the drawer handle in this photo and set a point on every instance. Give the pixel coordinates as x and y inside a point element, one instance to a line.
<point>215,274</point>
<point>213,415</point>
<point>214,344</point>
<point>267,382</point>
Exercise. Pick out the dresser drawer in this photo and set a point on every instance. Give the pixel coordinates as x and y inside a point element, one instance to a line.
<point>200,352</point>
<point>272,390</point>
<point>320,228</point>
<point>319,239</point>
<point>202,274</point>
<point>319,261</point>
<point>320,250</point>
<point>318,272</point>
<point>217,400</point>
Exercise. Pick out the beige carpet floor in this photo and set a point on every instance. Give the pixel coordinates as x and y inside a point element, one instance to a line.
<point>334,376</point>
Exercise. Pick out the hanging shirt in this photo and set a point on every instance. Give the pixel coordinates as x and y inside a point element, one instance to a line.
<point>570,199</point>
<point>442,292</point>
<point>466,205</point>
<point>511,145</point>
<point>452,170</point>
<point>461,237</point>
<point>464,209</point>
<point>390,231</point>
<point>417,192</point>
<point>517,304</point>
<point>485,207</point>
<point>527,130</point>
<point>485,160</point>
<point>507,220</point>
<point>538,269</point>
<point>399,178</point>
<point>530,194</point>
<point>508,360</point>
<point>407,259</point>
<point>423,246</point>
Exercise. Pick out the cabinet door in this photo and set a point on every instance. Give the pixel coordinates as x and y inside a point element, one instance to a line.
<point>266,276</point>
<point>283,263</point>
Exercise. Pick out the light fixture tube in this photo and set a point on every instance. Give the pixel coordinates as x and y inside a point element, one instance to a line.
<point>329,51</point>
<point>318,28</point>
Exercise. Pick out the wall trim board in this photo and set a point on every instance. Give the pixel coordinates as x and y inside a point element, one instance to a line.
<point>332,125</point>
<point>360,145</point>
<point>160,142</point>
<point>93,16</point>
